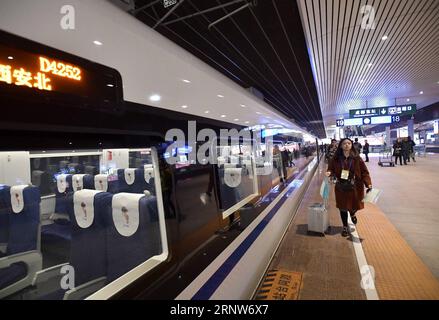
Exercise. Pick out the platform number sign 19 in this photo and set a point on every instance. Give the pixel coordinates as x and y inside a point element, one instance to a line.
<point>168,3</point>
<point>340,122</point>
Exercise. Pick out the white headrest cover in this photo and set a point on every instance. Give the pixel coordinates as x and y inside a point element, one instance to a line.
<point>146,166</point>
<point>83,206</point>
<point>126,213</point>
<point>17,199</point>
<point>101,182</point>
<point>229,165</point>
<point>232,177</point>
<point>61,182</point>
<point>148,173</point>
<point>78,182</point>
<point>130,176</point>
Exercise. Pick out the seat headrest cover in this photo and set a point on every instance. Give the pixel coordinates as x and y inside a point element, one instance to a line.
<point>83,206</point>
<point>17,199</point>
<point>126,213</point>
<point>61,182</point>
<point>232,177</point>
<point>130,176</point>
<point>229,165</point>
<point>149,173</point>
<point>148,165</point>
<point>101,182</point>
<point>78,182</point>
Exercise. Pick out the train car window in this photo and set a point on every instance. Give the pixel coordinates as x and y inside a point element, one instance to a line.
<point>45,169</point>
<point>237,177</point>
<point>78,229</point>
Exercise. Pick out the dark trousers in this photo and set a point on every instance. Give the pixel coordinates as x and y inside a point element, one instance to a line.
<point>406,157</point>
<point>400,159</point>
<point>367,156</point>
<point>344,216</point>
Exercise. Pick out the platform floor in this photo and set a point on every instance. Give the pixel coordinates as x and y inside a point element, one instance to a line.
<point>329,264</point>
<point>411,202</point>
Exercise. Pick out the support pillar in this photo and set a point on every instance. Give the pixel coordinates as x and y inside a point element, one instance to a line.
<point>411,128</point>
<point>388,140</point>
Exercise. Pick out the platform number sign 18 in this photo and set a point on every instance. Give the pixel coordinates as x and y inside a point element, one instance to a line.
<point>396,119</point>
<point>168,3</point>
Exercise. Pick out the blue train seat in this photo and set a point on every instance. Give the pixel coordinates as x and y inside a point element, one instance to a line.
<point>60,229</point>
<point>62,192</point>
<point>23,258</point>
<point>102,183</point>
<point>131,180</point>
<point>148,174</point>
<point>133,233</point>
<point>82,181</point>
<point>5,208</point>
<point>88,231</point>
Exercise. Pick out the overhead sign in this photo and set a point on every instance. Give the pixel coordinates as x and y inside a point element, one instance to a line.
<point>381,120</point>
<point>368,121</point>
<point>349,122</point>
<point>403,110</point>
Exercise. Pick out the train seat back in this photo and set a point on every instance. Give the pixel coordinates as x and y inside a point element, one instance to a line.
<point>88,247</point>
<point>23,258</point>
<point>133,234</point>
<point>82,181</point>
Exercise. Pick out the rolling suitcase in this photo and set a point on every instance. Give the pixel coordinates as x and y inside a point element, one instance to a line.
<point>318,218</point>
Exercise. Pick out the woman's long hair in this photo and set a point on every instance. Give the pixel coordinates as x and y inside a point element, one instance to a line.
<point>339,153</point>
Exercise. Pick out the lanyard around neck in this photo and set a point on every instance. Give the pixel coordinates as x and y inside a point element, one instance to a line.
<point>342,164</point>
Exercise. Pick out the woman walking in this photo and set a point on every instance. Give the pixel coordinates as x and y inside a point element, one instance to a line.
<point>352,176</point>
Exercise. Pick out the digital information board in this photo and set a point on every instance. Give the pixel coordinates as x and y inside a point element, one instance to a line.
<point>368,121</point>
<point>29,68</point>
<point>403,110</point>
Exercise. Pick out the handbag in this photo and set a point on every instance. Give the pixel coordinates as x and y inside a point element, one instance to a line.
<point>345,185</point>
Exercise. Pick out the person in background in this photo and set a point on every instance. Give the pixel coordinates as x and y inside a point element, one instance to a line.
<point>332,149</point>
<point>352,176</point>
<point>397,151</point>
<point>285,162</point>
<point>366,150</point>
<point>277,161</point>
<point>358,146</point>
<point>405,150</point>
<point>411,145</point>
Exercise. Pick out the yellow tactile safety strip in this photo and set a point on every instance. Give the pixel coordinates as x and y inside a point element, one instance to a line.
<point>280,285</point>
<point>399,273</point>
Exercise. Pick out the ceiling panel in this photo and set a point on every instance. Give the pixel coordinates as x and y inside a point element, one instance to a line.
<point>354,67</point>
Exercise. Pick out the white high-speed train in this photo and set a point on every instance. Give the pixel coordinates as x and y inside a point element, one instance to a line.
<point>90,208</point>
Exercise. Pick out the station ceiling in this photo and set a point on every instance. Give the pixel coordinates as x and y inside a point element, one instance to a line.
<point>370,53</point>
<point>261,45</point>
